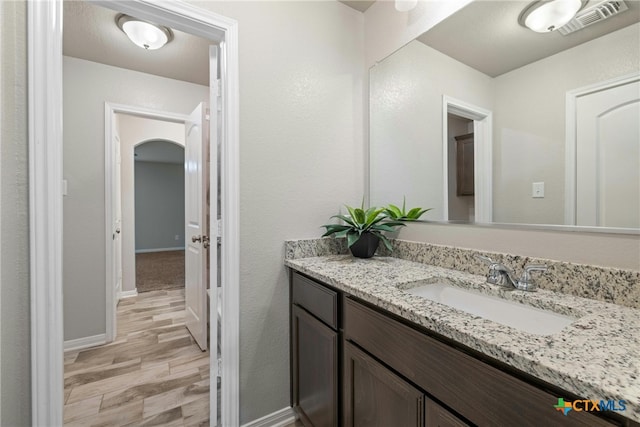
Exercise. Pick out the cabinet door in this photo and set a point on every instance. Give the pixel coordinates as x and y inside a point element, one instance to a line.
<point>315,370</point>
<point>376,397</point>
<point>437,416</point>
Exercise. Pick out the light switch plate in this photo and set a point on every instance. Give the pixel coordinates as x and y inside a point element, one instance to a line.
<point>538,190</point>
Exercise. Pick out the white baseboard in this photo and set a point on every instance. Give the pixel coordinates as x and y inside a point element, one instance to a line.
<point>146,251</point>
<point>278,419</point>
<point>86,342</point>
<point>128,294</point>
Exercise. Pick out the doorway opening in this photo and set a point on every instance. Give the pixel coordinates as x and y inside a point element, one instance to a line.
<point>46,189</point>
<point>159,215</point>
<point>467,161</point>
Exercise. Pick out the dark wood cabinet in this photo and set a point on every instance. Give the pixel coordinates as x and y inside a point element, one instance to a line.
<point>356,365</point>
<point>315,357</point>
<point>438,416</point>
<point>375,397</point>
<point>464,165</point>
<point>315,352</point>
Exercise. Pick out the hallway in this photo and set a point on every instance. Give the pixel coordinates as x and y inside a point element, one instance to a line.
<point>153,374</point>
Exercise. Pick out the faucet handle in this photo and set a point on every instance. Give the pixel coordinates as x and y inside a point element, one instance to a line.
<point>525,282</point>
<point>491,263</point>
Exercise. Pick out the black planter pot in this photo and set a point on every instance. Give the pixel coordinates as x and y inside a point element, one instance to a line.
<point>366,246</point>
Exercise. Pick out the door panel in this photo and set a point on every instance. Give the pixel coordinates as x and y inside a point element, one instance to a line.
<point>196,142</point>
<point>608,157</point>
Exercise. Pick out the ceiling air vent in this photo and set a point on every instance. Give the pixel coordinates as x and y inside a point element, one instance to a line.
<point>593,14</point>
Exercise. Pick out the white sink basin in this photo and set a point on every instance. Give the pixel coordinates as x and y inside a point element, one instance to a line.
<point>518,316</point>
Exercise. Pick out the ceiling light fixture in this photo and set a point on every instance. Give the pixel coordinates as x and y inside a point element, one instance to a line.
<point>144,34</point>
<point>405,5</point>
<point>543,16</point>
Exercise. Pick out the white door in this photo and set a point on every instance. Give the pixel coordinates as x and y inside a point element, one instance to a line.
<point>608,157</point>
<point>117,244</point>
<point>196,233</point>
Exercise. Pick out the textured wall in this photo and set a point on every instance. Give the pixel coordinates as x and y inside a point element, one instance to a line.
<point>15,377</point>
<point>405,147</point>
<point>301,157</point>
<point>159,198</point>
<point>87,85</point>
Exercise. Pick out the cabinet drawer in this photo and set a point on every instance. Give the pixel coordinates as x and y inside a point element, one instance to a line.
<point>479,392</point>
<point>317,299</point>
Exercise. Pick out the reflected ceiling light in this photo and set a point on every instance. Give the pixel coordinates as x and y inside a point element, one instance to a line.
<point>543,16</point>
<point>144,34</point>
<point>405,5</point>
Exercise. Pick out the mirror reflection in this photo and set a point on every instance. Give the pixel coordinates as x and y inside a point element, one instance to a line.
<point>484,120</point>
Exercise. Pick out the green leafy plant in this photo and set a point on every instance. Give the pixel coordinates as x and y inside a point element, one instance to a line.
<point>402,215</point>
<point>373,220</point>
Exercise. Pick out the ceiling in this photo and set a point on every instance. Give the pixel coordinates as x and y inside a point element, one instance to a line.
<point>359,5</point>
<point>486,35</point>
<point>90,33</point>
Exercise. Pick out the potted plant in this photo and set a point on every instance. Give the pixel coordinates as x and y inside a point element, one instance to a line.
<point>363,229</point>
<point>398,214</point>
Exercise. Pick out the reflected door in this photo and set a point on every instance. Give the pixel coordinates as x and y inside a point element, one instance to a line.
<point>608,157</point>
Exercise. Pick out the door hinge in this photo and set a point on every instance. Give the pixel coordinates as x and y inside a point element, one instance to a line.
<point>219,229</point>
<point>219,368</point>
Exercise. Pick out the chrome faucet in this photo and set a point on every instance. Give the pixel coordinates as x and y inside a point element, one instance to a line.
<point>503,276</point>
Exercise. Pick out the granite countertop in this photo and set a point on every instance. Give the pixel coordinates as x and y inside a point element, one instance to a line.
<point>596,357</point>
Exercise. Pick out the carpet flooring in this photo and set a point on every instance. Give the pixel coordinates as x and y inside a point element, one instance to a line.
<point>157,271</point>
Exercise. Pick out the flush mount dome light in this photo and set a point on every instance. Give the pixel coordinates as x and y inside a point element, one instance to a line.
<point>543,16</point>
<point>144,34</point>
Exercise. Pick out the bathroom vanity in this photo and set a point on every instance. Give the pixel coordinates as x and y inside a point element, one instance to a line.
<point>367,352</point>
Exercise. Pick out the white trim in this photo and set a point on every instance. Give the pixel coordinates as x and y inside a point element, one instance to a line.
<point>86,342</point>
<point>148,251</point>
<point>44,32</point>
<point>277,419</point>
<point>128,294</point>
<point>571,136</point>
<point>483,155</point>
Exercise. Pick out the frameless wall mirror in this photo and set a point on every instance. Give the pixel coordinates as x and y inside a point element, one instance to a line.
<point>541,128</point>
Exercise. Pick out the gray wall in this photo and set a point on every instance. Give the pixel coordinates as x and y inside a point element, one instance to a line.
<point>159,206</point>
<point>87,85</point>
<point>15,398</point>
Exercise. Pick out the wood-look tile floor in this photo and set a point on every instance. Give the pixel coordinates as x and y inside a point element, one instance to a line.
<point>152,374</point>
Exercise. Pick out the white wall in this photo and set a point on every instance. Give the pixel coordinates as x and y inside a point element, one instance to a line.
<point>87,85</point>
<point>159,189</point>
<point>406,128</point>
<point>530,122</point>
<point>301,158</point>
<point>135,130</point>
<point>15,396</point>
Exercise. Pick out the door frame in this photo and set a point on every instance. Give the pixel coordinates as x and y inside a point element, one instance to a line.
<point>571,141</point>
<point>44,38</point>
<point>482,155</point>
<point>110,109</point>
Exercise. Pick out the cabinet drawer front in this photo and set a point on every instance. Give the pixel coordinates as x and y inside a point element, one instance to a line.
<point>317,299</point>
<point>479,392</point>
